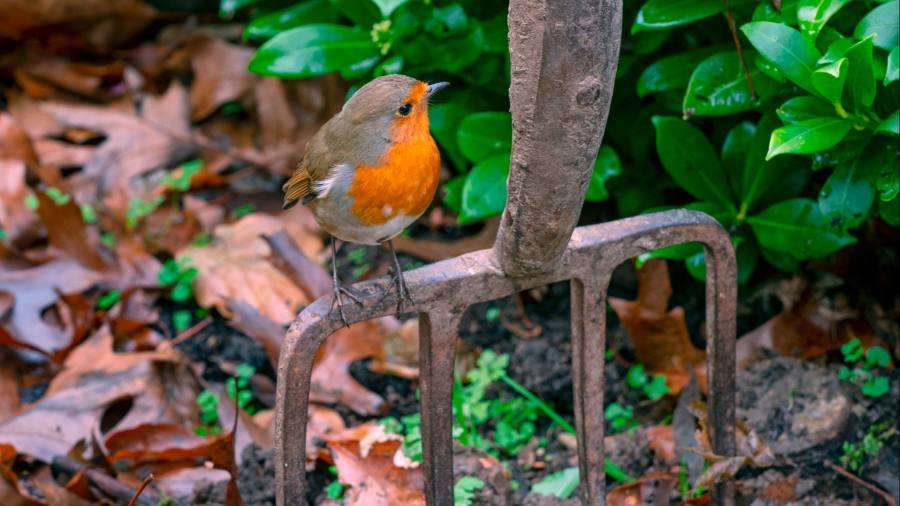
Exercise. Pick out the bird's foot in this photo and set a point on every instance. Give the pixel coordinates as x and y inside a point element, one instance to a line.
<point>403,294</point>
<point>338,292</point>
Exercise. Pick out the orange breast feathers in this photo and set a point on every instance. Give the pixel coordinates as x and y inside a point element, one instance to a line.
<point>407,177</point>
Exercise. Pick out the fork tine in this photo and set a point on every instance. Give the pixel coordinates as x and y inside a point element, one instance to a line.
<point>437,346</point>
<point>588,346</point>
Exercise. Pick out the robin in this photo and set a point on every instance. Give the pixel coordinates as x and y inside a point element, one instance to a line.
<point>371,170</point>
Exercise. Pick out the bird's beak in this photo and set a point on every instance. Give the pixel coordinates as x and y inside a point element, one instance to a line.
<point>436,87</point>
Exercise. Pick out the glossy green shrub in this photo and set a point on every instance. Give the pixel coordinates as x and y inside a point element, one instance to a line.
<point>792,167</point>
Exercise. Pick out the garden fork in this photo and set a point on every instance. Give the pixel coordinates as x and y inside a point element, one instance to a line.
<point>563,57</point>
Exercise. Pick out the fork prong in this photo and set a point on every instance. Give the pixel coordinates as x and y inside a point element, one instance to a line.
<point>588,345</point>
<point>437,346</point>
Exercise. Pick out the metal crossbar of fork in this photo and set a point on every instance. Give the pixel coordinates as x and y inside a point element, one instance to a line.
<point>563,57</point>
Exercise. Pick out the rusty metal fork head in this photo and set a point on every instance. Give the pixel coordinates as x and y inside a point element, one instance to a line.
<point>563,55</point>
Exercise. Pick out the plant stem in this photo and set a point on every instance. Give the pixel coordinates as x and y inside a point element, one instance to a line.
<point>612,470</point>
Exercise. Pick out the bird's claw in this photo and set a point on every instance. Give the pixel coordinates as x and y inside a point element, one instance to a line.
<point>337,300</point>
<point>402,289</point>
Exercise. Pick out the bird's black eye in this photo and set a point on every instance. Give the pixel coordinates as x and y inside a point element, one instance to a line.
<point>405,109</point>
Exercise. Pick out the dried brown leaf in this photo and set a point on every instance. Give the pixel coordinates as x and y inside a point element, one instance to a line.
<point>158,384</point>
<point>659,335</point>
<point>236,266</point>
<point>373,477</point>
<point>653,488</point>
<point>220,74</point>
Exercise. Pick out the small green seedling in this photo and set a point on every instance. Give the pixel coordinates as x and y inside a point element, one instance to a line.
<point>108,300</point>
<point>57,196</point>
<point>862,372</point>
<point>410,427</point>
<point>139,208</point>
<point>334,490</point>
<point>238,388</point>
<point>179,276</point>
<point>241,211</point>
<point>620,417</point>
<point>209,414</point>
<point>108,239</point>
<point>492,314</point>
<point>855,455</point>
<point>182,182</point>
<point>465,489</point>
<point>653,388</point>
<point>88,214</point>
<point>561,484</point>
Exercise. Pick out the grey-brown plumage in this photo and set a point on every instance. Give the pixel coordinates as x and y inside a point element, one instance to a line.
<point>357,135</point>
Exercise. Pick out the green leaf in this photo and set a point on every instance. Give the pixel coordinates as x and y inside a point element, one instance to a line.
<point>892,73</point>
<point>663,14</point>
<point>606,166</point>
<point>860,87</point>
<point>852,350</point>
<point>718,87</point>
<point>656,388</point>
<point>804,108</point>
<point>484,192</point>
<point>363,13</point>
<point>793,54</point>
<point>560,484</point>
<point>691,160</point>
<point>453,193</point>
<point>881,22</point>
<point>849,192</point>
<point>889,212</point>
<point>828,80</point>
<point>876,387</point>
<point>495,34</point>
<point>444,120</point>
<point>181,320</point>
<point>734,153</point>
<point>876,356</point>
<point>747,259</point>
<point>890,125</point>
<point>109,299</point>
<point>796,227</point>
<point>808,136</point>
<point>813,14</point>
<point>888,183</point>
<point>227,8</point>
<point>636,377</point>
<point>464,490</point>
<point>485,134</point>
<point>387,7</point>
<point>669,73</point>
<point>303,13</point>
<point>312,50</point>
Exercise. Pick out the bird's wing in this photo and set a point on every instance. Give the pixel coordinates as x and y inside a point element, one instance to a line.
<point>299,186</point>
<point>314,167</point>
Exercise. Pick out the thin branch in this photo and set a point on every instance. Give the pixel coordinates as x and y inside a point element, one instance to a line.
<point>862,483</point>
<point>740,52</point>
<point>140,490</point>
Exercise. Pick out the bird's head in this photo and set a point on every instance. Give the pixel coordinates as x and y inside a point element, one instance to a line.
<point>394,104</point>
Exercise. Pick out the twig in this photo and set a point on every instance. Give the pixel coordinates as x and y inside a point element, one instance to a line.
<point>191,332</point>
<point>737,44</point>
<point>862,483</point>
<point>140,490</point>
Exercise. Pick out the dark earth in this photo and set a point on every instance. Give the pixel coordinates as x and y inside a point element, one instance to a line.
<point>799,408</point>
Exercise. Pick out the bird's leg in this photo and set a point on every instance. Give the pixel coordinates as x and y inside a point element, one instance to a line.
<point>337,289</point>
<point>399,281</point>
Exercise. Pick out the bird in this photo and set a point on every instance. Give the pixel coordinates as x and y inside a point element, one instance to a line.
<point>371,171</point>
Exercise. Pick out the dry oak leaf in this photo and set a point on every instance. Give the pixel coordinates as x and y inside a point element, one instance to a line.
<point>37,288</point>
<point>220,74</point>
<point>659,335</point>
<point>369,467</point>
<point>236,266</point>
<point>159,386</point>
<point>651,489</point>
<point>136,143</point>
<point>332,382</point>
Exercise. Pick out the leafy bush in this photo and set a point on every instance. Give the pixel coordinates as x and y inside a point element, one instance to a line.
<point>791,164</point>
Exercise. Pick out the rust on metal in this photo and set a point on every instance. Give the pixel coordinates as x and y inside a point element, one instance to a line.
<point>563,58</point>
